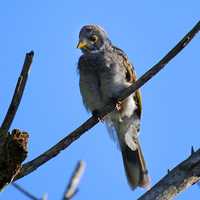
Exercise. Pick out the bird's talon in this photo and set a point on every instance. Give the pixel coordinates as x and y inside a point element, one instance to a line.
<point>101,119</point>
<point>119,106</point>
<point>96,114</point>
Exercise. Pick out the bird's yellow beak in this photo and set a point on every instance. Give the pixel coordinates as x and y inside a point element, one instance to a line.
<point>82,44</point>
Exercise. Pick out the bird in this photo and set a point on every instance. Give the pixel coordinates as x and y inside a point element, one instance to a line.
<point>105,71</point>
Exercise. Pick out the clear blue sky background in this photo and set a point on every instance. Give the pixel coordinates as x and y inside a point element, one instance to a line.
<point>51,106</point>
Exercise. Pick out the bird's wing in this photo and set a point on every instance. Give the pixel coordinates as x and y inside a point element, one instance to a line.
<point>131,78</point>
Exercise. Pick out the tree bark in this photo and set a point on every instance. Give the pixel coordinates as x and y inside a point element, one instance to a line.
<point>13,151</point>
<point>13,147</point>
<point>177,180</point>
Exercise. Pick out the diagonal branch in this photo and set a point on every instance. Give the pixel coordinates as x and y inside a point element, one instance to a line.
<point>25,192</point>
<point>65,142</point>
<point>178,179</point>
<point>19,89</point>
<point>72,187</point>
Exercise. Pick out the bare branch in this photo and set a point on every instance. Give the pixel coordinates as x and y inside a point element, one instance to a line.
<point>13,147</point>
<point>65,142</point>
<point>72,187</point>
<point>25,192</point>
<point>181,177</point>
<point>19,89</point>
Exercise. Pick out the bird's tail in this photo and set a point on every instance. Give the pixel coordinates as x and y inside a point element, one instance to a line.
<point>135,167</point>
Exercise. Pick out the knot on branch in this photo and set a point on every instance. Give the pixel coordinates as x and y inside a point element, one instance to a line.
<point>13,151</point>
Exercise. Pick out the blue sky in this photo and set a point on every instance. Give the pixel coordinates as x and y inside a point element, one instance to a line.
<point>51,106</point>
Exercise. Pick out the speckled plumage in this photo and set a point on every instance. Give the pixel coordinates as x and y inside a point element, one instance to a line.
<point>104,72</point>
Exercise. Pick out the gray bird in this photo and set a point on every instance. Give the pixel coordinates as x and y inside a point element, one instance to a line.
<point>104,72</point>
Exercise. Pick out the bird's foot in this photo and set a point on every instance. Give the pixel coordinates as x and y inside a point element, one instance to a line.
<point>118,104</point>
<point>96,114</point>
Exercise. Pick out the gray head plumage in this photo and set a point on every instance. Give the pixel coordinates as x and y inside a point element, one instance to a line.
<point>92,39</point>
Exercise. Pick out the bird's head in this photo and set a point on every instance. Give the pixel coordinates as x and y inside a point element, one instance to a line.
<point>92,39</point>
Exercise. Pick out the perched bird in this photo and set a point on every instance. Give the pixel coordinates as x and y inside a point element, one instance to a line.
<point>104,72</point>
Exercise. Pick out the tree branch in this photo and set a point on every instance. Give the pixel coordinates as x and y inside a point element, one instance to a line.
<point>13,147</point>
<point>19,89</point>
<point>65,142</point>
<point>72,187</point>
<point>25,192</point>
<point>181,177</point>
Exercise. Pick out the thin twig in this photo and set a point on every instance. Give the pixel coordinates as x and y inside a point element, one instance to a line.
<point>65,142</point>
<point>178,179</point>
<point>19,89</point>
<point>25,192</point>
<point>72,187</point>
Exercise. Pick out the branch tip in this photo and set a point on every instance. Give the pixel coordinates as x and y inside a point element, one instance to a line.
<point>72,187</point>
<point>192,150</point>
<point>18,93</point>
<point>31,53</point>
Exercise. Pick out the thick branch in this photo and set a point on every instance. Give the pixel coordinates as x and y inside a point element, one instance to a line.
<point>72,187</point>
<point>64,143</point>
<point>181,177</point>
<point>19,89</point>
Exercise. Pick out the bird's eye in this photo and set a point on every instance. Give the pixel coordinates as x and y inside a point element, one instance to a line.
<point>93,38</point>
